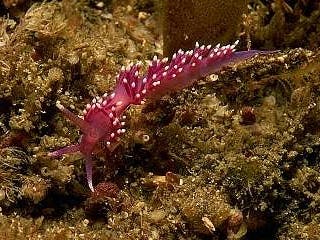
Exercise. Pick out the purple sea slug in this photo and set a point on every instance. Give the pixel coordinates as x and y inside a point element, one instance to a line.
<point>103,121</point>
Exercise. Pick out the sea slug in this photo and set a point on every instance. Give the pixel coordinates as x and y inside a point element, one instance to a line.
<point>103,124</point>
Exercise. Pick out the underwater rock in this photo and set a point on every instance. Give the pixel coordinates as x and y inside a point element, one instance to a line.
<point>206,21</point>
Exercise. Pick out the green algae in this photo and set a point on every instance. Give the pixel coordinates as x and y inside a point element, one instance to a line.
<point>228,179</point>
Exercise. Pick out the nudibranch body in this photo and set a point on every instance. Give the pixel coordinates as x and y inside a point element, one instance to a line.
<point>103,118</point>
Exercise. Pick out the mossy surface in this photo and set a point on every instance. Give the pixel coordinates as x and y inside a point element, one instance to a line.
<point>206,21</point>
<point>283,23</point>
<point>193,165</point>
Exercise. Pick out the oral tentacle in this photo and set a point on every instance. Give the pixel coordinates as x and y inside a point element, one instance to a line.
<point>89,171</point>
<point>82,124</point>
<point>69,149</point>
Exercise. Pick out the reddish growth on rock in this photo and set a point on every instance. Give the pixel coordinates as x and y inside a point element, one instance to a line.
<point>102,124</point>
